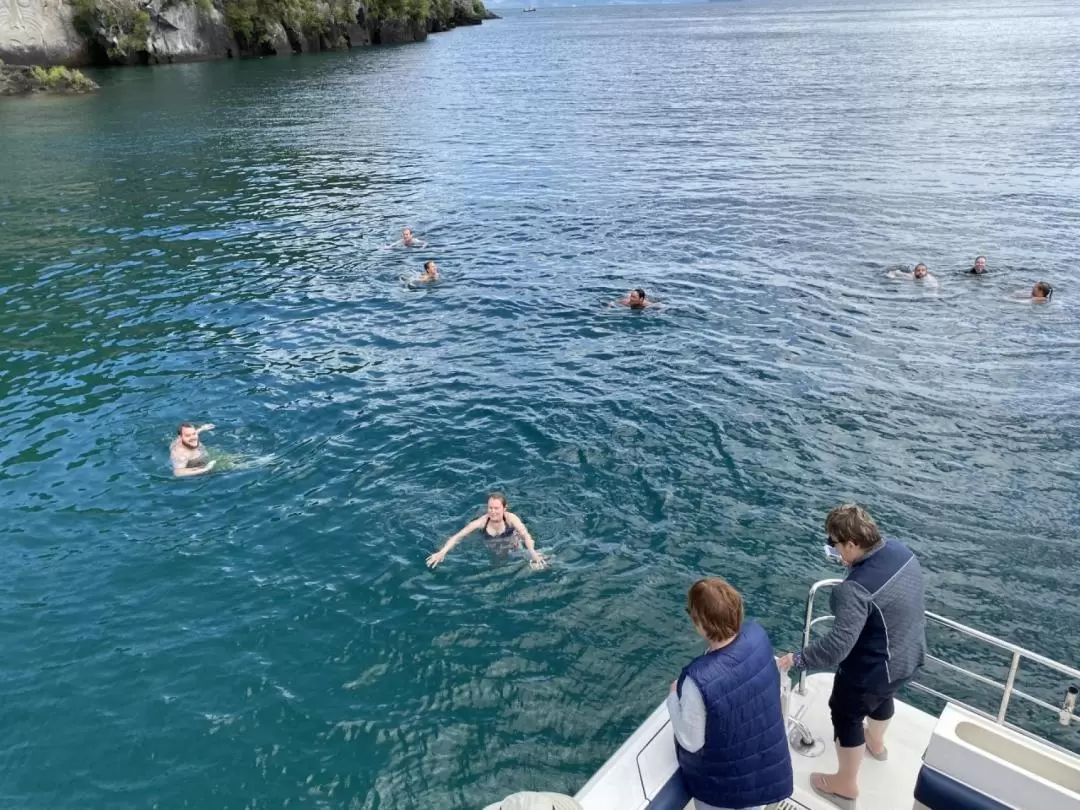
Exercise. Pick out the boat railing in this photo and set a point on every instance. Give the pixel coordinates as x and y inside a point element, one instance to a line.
<point>1066,712</point>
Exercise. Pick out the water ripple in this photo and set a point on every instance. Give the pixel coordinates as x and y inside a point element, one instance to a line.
<point>209,242</point>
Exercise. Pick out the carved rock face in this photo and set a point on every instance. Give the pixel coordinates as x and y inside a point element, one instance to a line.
<point>39,32</point>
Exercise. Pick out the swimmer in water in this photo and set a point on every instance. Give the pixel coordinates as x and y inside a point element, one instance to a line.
<point>979,268</point>
<point>920,273</point>
<point>408,240</point>
<point>430,274</point>
<point>498,525</point>
<point>187,453</point>
<point>635,299</point>
<point>1041,293</point>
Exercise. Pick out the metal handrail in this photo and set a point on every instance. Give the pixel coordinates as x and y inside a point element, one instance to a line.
<point>1008,688</point>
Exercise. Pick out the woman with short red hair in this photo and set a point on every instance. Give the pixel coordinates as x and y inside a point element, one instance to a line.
<point>725,708</point>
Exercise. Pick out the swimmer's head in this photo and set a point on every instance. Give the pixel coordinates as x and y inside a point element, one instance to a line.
<point>189,436</point>
<point>431,268</point>
<point>496,506</point>
<point>637,297</point>
<point>980,265</point>
<point>921,271</point>
<point>406,235</point>
<point>1042,291</point>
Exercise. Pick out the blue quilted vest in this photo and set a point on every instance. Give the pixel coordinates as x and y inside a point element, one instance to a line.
<point>745,760</point>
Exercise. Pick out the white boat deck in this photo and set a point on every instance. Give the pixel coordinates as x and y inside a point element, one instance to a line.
<point>967,757</point>
<point>638,774</point>
<point>885,785</point>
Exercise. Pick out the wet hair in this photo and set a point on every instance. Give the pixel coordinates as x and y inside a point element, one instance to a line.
<point>1046,290</point>
<point>850,523</point>
<point>498,496</point>
<point>180,430</point>
<point>977,260</point>
<point>715,607</point>
<point>640,292</point>
<point>428,263</point>
<point>920,264</point>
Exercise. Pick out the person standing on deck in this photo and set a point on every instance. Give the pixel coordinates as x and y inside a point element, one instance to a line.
<point>877,643</point>
<point>725,708</point>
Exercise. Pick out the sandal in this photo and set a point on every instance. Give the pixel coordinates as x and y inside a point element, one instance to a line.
<point>820,786</point>
<point>881,755</point>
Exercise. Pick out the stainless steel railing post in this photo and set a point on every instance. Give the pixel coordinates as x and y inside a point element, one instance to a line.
<point>1009,683</point>
<point>810,622</point>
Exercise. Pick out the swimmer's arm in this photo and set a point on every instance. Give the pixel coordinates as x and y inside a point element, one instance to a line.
<point>519,527</point>
<point>187,472</point>
<point>207,426</point>
<point>440,555</point>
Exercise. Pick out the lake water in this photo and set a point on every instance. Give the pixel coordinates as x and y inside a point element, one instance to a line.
<point>206,242</point>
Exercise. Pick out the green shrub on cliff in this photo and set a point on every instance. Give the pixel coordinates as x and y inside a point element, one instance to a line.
<point>62,78</point>
<point>121,23</point>
<point>252,21</point>
<point>414,10</point>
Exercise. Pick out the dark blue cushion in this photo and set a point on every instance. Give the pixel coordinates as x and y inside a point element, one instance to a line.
<point>672,796</point>
<point>940,792</point>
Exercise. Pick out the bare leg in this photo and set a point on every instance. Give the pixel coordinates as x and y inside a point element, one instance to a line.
<point>875,735</point>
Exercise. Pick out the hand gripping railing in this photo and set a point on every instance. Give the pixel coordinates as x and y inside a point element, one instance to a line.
<point>1066,712</point>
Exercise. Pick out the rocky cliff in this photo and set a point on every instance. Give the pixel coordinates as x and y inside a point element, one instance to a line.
<point>110,32</point>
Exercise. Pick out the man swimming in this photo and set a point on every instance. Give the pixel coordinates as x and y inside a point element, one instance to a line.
<point>409,240</point>
<point>431,273</point>
<point>187,453</point>
<point>979,267</point>
<point>920,273</point>
<point>503,530</point>
<point>635,299</point>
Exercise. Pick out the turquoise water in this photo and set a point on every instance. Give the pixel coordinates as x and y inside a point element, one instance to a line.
<point>206,242</point>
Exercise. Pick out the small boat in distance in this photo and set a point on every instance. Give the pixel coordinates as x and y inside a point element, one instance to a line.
<point>528,10</point>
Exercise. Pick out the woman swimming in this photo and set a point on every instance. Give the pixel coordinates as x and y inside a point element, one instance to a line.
<point>498,525</point>
<point>1041,293</point>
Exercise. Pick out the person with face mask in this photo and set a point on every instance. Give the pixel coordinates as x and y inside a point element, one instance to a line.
<point>877,643</point>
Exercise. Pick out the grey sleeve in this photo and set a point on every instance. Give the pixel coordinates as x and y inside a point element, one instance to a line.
<point>851,608</point>
<point>687,715</point>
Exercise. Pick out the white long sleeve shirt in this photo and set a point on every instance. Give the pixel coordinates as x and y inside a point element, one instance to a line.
<point>688,717</point>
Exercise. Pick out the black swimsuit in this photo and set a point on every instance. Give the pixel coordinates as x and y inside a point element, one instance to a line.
<point>508,531</point>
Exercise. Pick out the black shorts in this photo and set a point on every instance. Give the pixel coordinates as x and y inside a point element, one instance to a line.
<point>850,704</point>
